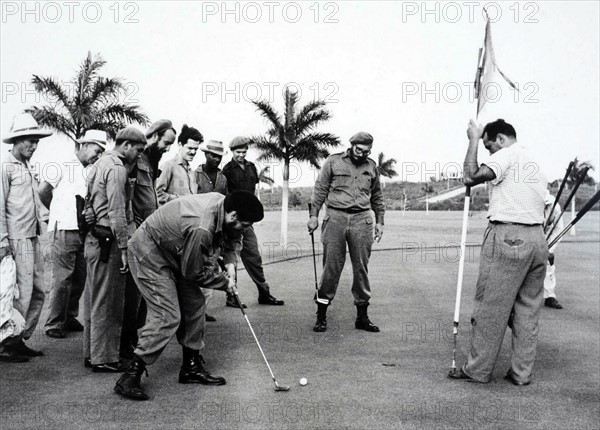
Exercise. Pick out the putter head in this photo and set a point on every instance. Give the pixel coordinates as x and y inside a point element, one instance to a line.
<point>281,387</point>
<point>323,301</point>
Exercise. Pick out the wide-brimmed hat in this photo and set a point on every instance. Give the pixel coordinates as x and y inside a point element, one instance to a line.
<point>213,146</point>
<point>25,125</point>
<point>98,137</point>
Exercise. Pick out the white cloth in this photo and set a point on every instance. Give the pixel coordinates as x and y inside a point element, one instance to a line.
<point>68,181</point>
<point>12,322</point>
<point>549,281</point>
<point>517,193</point>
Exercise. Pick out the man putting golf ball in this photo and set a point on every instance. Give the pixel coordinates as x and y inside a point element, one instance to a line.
<point>303,381</point>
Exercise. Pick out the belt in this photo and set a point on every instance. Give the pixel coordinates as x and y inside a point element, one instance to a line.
<point>349,210</point>
<point>513,223</point>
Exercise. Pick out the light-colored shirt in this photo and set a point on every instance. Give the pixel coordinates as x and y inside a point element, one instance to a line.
<point>518,191</point>
<point>22,211</point>
<point>68,181</point>
<point>176,179</point>
<point>343,185</point>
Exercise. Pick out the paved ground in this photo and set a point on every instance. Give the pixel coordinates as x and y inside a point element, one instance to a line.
<point>394,379</point>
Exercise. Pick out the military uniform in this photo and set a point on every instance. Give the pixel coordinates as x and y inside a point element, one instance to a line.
<point>109,192</point>
<point>172,255</point>
<point>350,192</point>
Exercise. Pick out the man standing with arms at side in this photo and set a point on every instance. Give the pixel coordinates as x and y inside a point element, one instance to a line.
<point>242,175</point>
<point>68,264</point>
<point>160,136</point>
<point>21,219</point>
<point>109,194</point>
<point>349,184</point>
<point>513,254</point>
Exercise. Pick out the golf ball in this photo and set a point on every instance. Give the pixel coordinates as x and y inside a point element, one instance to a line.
<point>303,381</point>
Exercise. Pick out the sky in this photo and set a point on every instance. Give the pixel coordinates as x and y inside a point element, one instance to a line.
<point>402,71</point>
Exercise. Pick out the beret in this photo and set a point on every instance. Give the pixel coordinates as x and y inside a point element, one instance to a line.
<point>246,204</point>
<point>158,126</point>
<point>132,134</point>
<point>362,138</point>
<point>239,142</point>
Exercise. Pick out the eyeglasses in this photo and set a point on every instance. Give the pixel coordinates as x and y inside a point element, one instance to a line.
<point>362,151</point>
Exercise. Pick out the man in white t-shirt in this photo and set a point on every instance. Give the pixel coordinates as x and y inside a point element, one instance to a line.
<point>550,280</point>
<point>68,265</point>
<point>513,254</point>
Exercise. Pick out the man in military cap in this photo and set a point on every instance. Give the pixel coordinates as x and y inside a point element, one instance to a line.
<point>68,264</point>
<point>173,255</point>
<point>160,136</point>
<point>349,184</point>
<point>242,175</point>
<point>109,196</point>
<point>22,214</point>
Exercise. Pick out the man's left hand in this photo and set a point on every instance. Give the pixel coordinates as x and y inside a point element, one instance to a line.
<point>378,232</point>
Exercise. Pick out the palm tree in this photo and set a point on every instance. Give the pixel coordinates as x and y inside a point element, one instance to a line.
<point>292,137</point>
<point>386,168</point>
<point>265,178</point>
<point>89,101</point>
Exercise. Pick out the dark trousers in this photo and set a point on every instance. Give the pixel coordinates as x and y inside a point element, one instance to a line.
<point>134,316</point>
<point>250,255</point>
<point>68,278</point>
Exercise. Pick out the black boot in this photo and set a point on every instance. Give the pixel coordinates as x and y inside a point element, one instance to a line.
<point>362,319</point>
<point>193,371</point>
<point>321,324</point>
<point>129,385</point>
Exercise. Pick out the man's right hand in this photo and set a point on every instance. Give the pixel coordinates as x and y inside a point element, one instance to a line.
<point>90,216</point>
<point>231,288</point>
<point>312,224</point>
<point>125,265</point>
<point>6,250</point>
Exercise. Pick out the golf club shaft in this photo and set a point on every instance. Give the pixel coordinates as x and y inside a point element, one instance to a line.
<point>559,193</point>
<point>575,188</point>
<point>255,338</point>
<point>312,240</point>
<point>461,263</point>
<point>591,202</point>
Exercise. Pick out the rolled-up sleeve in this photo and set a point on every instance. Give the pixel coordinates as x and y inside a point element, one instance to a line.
<point>321,188</point>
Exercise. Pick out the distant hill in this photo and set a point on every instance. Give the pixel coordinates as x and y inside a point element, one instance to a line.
<point>393,193</point>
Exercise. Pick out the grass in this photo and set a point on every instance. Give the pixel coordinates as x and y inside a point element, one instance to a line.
<point>393,379</point>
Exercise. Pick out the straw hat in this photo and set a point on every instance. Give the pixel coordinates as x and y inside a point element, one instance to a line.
<point>24,125</point>
<point>98,137</point>
<point>213,146</point>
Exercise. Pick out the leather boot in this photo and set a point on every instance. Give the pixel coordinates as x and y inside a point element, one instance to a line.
<point>362,319</point>
<point>193,371</point>
<point>129,385</point>
<point>321,324</point>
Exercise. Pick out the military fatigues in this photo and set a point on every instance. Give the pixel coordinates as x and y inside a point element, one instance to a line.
<point>245,179</point>
<point>350,192</point>
<point>512,267</point>
<point>110,198</point>
<point>144,203</point>
<point>172,255</point>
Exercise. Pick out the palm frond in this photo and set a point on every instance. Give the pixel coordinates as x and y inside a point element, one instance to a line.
<point>54,120</point>
<point>51,87</point>
<point>127,114</point>
<point>105,89</point>
<point>311,120</point>
<point>265,177</point>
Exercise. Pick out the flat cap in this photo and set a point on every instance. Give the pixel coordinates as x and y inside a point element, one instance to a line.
<point>131,134</point>
<point>158,126</point>
<point>239,142</point>
<point>362,138</point>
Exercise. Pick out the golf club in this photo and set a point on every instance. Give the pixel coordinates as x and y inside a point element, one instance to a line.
<point>559,193</point>
<point>580,179</point>
<point>312,239</point>
<point>591,202</point>
<point>277,386</point>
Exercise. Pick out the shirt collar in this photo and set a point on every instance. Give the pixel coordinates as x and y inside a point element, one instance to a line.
<point>12,159</point>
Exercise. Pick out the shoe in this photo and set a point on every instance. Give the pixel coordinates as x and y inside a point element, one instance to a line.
<point>362,319</point>
<point>55,333</point>
<point>72,325</point>
<point>269,300</point>
<point>510,377</point>
<point>9,356</point>
<point>209,318</point>
<point>129,384</point>
<point>551,302</point>
<point>321,324</point>
<point>20,348</point>
<point>232,303</point>
<point>459,374</point>
<point>87,363</point>
<point>193,372</point>
<point>108,368</point>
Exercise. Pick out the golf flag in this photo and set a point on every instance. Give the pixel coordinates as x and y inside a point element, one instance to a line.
<point>485,88</point>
